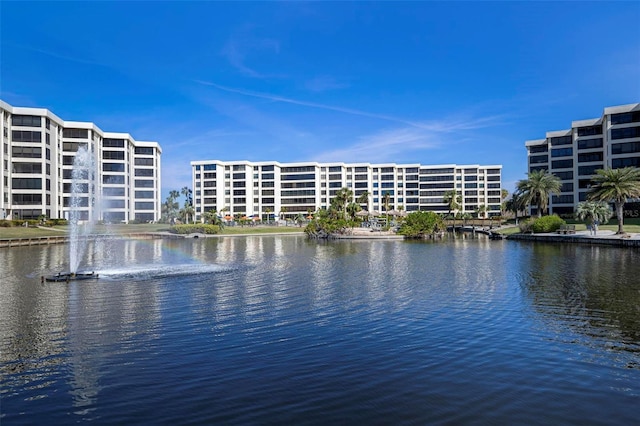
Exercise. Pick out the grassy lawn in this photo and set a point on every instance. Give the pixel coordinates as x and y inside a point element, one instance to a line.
<point>20,232</point>
<point>248,230</point>
<point>631,225</point>
<point>508,231</point>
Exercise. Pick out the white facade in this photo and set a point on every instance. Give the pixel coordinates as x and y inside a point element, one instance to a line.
<point>611,141</point>
<point>38,152</point>
<point>288,189</point>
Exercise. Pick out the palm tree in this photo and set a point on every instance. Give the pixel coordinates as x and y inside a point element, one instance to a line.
<point>537,188</point>
<point>187,195</point>
<point>268,213</point>
<point>364,199</point>
<point>343,197</point>
<point>481,210</point>
<point>171,206</point>
<point>386,198</point>
<point>593,211</point>
<point>352,209</point>
<point>515,204</point>
<point>189,211</point>
<point>453,200</point>
<point>616,185</point>
<point>504,193</point>
<point>211,217</point>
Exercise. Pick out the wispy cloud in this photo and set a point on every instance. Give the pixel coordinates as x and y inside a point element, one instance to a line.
<point>76,58</point>
<point>237,49</point>
<point>382,146</point>
<point>323,84</point>
<point>17,99</point>
<point>449,125</point>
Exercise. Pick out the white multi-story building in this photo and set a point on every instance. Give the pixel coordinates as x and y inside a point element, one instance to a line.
<point>38,153</point>
<point>611,141</point>
<point>259,189</point>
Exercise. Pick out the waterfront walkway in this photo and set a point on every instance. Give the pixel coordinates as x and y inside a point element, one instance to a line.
<point>603,237</point>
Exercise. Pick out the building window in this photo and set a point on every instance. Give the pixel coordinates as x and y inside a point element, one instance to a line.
<point>537,149</point>
<point>562,140</point>
<point>144,205</point>
<point>588,170</point>
<point>536,159</point>
<point>144,172</point>
<point>590,143</point>
<point>26,152</point>
<point>564,175</point>
<point>113,143</point>
<point>26,183</point>
<point>626,133</point>
<point>144,183</point>
<point>144,150</point>
<point>625,148</point>
<point>627,117</point>
<point>113,179</point>
<point>590,130</point>
<point>75,133</point>
<point>114,192</point>
<point>143,161</point>
<point>589,157</point>
<point>113,167</point>
<point>562,164</point>
<point>26,120</point>
<point>618,163</point>
<point>562,152</point>
<point>26,136</point>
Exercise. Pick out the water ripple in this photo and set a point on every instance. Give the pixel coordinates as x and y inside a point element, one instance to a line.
<point>281,330</point>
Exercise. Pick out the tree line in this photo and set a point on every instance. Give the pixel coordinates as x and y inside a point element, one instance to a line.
<point>607,186</point>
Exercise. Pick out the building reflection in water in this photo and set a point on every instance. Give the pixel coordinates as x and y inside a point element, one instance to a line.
<point>241,284</point>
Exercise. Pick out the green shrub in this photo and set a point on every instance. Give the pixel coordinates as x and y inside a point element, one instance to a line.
<point>57,222</point>
<point>547,224</point>
<point>6,223</point>
<point>525,226</point>
<point>195,228</point>
<point>420,224</point>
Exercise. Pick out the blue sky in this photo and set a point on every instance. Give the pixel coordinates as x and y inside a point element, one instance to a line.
<point>425,82</point>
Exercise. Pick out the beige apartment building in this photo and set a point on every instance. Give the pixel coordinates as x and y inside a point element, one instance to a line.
<point>609,141</point>
<point>270,188</point>
<point>37,161</point>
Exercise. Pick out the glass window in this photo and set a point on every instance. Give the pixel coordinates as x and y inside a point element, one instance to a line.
<point>590,143</point>
<point>562,152</point>
<point>143,150</point>
<point>26,136</point>
<point>627,117</point>
<point>562,140</point>
<point>113,143</point>
<point>26,120</point>
<point>562,164</point>
<point>625,148</point>
<point>75,133</point>
<point>626,133</point>
<point>590,130</point>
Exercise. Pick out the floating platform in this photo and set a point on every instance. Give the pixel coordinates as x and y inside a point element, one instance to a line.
<point>70,276</point>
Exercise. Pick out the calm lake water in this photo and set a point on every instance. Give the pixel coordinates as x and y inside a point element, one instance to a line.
<point>281,330</point>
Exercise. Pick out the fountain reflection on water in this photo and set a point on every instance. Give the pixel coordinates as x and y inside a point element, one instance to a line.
<point>80,224</point>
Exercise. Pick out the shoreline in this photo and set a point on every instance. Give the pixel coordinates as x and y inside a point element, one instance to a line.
<point>608,238</point>
<point>605,237</point>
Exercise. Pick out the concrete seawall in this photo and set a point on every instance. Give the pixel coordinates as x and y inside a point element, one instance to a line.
<point>605,239</point>
<point>62,239</point>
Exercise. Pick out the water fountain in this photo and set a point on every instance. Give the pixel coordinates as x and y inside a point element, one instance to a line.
<point>80,221</point>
